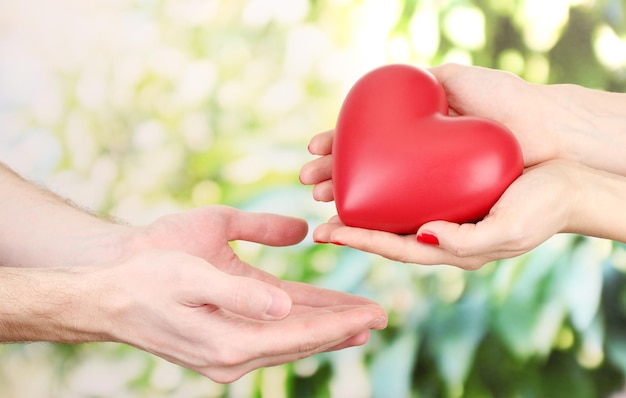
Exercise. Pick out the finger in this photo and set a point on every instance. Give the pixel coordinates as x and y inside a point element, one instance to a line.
<point>265,228</point>
<point>303,310</point>
<point>247,297</point>
<point>440,243</point>
<point>312,296</point>
<point>322,143</point>
<point>448,76</point>
<point>353,341</point>
<point>460,82</point>
<point>334,220</point>
<point>269,361</point>
<point>462,241</point>
<point>446,71</point>
<point>476,243</point>
<point>323,232</point>
<point>297,337</point>
<point>402,248</point>
<point>323,191</point>
<point>317,170</point>
<point>229,374</point>
<point>265,362</point>
<point>315,331</point>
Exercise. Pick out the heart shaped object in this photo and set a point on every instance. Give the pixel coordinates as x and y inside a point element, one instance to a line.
<point>400,161</point>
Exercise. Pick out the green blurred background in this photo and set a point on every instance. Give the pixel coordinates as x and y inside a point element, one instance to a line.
<point>146,107</point>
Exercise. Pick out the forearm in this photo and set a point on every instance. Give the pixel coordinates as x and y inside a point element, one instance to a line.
<point>590,125</point>
<point>39,229</point>
<point>56,305</point>
<point>598,204</point>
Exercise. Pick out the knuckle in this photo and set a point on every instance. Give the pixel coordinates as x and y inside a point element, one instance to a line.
<point>239,297</point>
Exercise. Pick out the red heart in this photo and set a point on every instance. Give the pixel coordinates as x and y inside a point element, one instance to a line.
<point>400,161</point>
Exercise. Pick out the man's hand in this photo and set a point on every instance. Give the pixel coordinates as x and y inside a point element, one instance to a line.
<point>206,231</point>
<point>185,310</point>
<point>174,288</point>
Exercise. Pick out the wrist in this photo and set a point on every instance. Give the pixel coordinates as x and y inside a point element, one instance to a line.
<point>597,203</point>
<point>104,243</point>
<point>89,243</point>
<point>590,126</point>
<point>41,229</point>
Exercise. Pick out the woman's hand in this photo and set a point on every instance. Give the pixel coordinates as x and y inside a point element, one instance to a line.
<point>550,121</point>
<point>572,139</point>
<point>552,197</point>
<point>319,172</point>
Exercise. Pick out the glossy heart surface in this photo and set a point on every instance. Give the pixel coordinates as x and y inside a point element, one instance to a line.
<point>400,161</point>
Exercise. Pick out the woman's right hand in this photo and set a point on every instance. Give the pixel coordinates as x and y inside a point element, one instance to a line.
<point>549,198</point>
<point>563,121</point>
<point>549,121</point>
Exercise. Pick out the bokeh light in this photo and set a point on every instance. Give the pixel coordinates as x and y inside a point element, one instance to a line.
<point>143,108</point>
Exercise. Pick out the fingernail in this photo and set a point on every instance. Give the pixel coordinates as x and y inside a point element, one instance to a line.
<point>319,241</point>
<point>334,242</point>
<point>428,238</point>
<point>279,305</point>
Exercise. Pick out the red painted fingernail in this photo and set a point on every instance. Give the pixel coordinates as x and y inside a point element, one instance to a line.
<point>337,243</point>
<point>320,241</point>
<point>428,238</point>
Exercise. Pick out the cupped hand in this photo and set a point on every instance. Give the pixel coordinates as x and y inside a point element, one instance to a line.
<point>539,204</point>
<point>557,121</point>
<point>506,98</point>
<point>185,310</point>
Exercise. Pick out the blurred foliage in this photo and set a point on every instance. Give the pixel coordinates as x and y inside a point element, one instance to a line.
<point>139,108</point>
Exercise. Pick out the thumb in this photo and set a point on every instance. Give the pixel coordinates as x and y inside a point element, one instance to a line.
<point>462,240</point>
<point>265,228</point>
<point>242,295</point>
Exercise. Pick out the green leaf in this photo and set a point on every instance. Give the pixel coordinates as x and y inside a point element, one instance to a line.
<point>582,284</point>
<point>392,368</point>
<point>529,318</point>
<point>616,351</point>
<point>454,334</point>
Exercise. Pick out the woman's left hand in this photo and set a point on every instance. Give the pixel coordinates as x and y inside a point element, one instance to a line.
<point>545,200</point>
